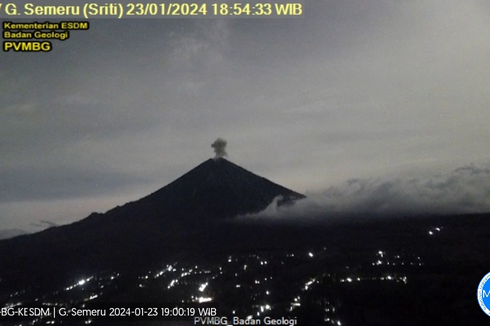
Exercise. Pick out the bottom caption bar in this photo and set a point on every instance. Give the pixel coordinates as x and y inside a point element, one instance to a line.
<point>109,311</point>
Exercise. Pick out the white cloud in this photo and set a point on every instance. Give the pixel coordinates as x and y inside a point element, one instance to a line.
<point>464,190</point>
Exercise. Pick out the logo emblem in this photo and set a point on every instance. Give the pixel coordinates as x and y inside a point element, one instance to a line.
<point>483,294</point>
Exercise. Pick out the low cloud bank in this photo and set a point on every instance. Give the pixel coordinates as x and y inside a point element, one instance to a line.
<point>464,190</point>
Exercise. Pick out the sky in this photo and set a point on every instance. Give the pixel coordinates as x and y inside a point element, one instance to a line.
<point>351,99</point>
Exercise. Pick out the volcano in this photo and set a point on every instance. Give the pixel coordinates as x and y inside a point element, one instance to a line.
<point>216,188</point>
<point>184,215</point>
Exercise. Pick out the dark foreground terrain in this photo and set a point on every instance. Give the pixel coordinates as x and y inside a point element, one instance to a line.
<point>417,271</point>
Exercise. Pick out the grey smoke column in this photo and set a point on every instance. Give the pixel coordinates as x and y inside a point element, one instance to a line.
<point>219,146</point>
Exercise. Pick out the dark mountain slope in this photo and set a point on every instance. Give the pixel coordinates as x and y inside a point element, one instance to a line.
<point>216,188</point>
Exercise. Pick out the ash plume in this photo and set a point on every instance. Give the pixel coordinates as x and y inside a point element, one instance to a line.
<point>219,146</point>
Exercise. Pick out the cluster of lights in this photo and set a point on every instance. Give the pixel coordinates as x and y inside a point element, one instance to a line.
<point>79,283</point>
<point>434,230</point>
<point>203,299</point>
<point>263,308</point>
<point>398,260</point>
<point>203,286</point>
<point>310,282</point>
<point>381,278</point>
<point>295,304</point>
